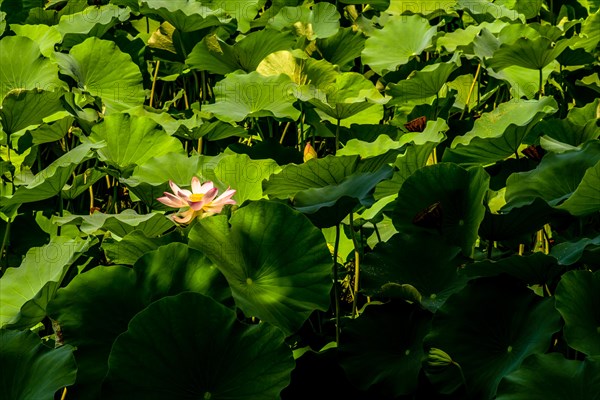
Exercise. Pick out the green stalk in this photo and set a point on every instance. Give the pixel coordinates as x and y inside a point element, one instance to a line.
<point>337,136</point>
<point>356,266</point>
<point>5,241</point>
<point>335,284</point>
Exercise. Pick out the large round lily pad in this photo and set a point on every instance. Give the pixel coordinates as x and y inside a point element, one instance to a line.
<point>276,262</point>
<point>488,329</point>
<point>189,346</point>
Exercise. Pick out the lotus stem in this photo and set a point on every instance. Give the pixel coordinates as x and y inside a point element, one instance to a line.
<point>5,241</point>
<point>541,91</point>
<point>356,266</point>
<point>64,394</point>
<point>284,132</point>
<point>154,83</point>
<point>475,79</point>
<point>337,138</point>
<point>377,232</point>
<point>336,294</point>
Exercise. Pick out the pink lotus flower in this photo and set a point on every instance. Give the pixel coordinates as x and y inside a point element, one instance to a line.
<point>200,202</point>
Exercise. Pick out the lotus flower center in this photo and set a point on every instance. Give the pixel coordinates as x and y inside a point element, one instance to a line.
<point>196,197</point>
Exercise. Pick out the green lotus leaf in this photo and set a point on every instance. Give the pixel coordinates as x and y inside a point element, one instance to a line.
<point>499,133</point>
<point>527,53</point>
<point>427,8</point>
<point>28,109</point>
<point>245,175</point>
<point>429,266</point>
<point>534,269</point>
<point>93,21</point>
<point>151,224</point>
<point>568,253</point>
<point>585,200</point>
<point>589,36</point>
<point>242,95</point>
<point>350,94</point>
<point>445,199</point>
<point>134,245</point>
<point>45,36</point>
<point>321,20</point>
<point>433,133</point>
<point>521,322</point>
<point>169,123</point>
<point>380,146</point>
<point>26,290</point>
<point>158,355</point>
<point>462,39</point>
<point>311,74</point>
<point>132,141</point>
<point>281,285</point>
<point>384,52</point>
<point>51,180</point>
<point>383,348</point>
<point>98,305</point>
<point>342,48</point>
<point>244,13</point>
<point>380,5</point>
<point>524,82</point>
<point>423,84</point>
<point>315,173</point>
<point>214,55</point>
<point>184,15</point>
<point>18,11</point>
<point>24,67</point>
<point>81,183</point>
<point>414,158</point>
<point>578,302</point>
<point>549,182</point>
<point>485,10</point>
<point>31,370</point>
<point>329,205</point>
<point>551,376</point>
<point>100,68</point>
<point>579,127</point>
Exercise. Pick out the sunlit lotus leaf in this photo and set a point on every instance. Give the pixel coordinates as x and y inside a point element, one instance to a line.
<point>428,266</point>
<point>383,348</point>
<point>24,67</point>
<point>422,84</point>
<point>100,68</point>
<point>245,175</point>
<point>132,140</point>
<point>342,48</point>
<point>549,182</point>
<point>443,199</point>
<point>185,15</point>
<point>462,39</point>
<point>158,355</point>
<point>244,12</point>
<point>384,51</point>
<point>242,95</point>
<point>81,183</point>
<point>30,369</point>
<point>524,82</point>
<point>312,74</point>
<point>321,20</point>
<point>526,53</point>
<point>350,94</point>
<point>590,36</point>
<point>522,324</point>
<point>578,301</point>
<point>26,290</point>
<point>214,55</point>
<point>51,180</point>
<point>380,146</point>
<point>151,224</point>
<point>380,5</point>
<point>98,305</point>
<point>499,133</point>
<point>281,285</point>
<point>568,253</point>
<point>484,10</point>
<point>93,21</point>
<point>29,109</point>
<point>427,8</point>
<point>45,36</point>
<point>551,376</point>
